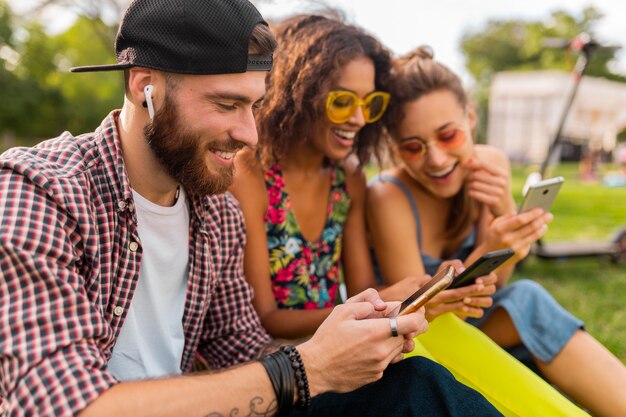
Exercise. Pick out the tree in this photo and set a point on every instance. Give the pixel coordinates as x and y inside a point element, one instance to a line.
<point>505,45</point>
<point>87,97</point>
<point>40,98</point>
<point>93,10</point>
<point>15,90</point>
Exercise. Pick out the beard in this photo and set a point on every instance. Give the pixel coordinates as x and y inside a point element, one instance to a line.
<point>183,154</point>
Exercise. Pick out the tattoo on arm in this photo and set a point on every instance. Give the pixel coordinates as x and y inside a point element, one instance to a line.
<point>257,408</point>
<point>271,347</point>
<point>275,344</point>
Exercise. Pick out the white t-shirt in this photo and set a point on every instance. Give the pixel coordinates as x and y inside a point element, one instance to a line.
<point>151,340</point>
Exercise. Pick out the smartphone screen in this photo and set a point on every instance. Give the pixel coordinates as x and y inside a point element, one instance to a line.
<point>482,266</point>
<point>438,283</point>
<point>541,194</point>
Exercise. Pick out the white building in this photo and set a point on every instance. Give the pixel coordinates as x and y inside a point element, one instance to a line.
<point>525,109</point>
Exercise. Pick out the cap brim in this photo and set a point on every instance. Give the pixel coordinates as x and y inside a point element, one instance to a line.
<point>93,68</point>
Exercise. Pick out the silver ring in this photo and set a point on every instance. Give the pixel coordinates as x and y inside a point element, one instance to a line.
<point>394,326</point>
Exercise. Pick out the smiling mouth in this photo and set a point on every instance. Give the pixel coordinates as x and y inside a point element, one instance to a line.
<point>228,155</point>
<point>345,136</point>
<point>443,173</point>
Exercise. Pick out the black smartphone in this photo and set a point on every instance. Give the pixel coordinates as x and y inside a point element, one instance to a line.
<point>484,265</point>
<point>438,283</point>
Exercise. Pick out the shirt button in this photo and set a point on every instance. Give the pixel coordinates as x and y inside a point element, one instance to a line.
<point>121,205</point>
<point>118,310</point>
<point>133,246</point>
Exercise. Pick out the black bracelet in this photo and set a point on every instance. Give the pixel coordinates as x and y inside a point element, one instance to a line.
<point>289,382</point>
<point>278,368</point>
<point>302,383</point>
<point>273,372</point>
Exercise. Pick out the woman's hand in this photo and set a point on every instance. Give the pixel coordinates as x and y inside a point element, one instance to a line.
<point>517,231</point>
<point>468,301</point>
<point>489,184</point>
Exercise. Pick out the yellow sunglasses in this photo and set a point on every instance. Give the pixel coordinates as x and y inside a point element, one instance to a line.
<point>341,105</point>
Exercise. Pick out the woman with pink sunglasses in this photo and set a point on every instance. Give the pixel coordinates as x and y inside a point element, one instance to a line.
<point>447,198</point>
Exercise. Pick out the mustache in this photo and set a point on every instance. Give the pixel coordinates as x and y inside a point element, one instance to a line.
<point>228,145</point>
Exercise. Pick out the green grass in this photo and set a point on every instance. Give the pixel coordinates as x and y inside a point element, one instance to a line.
<point>593,289</point>
<point>582,211</point>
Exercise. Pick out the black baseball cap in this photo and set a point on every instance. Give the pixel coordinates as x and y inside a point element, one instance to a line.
<point>187,37</point>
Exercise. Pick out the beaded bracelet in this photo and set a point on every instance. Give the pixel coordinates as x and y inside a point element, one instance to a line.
<point>304,395</point>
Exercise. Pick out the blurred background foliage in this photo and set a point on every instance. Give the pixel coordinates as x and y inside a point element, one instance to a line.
<point>520,45</point>
<point>40,98</point>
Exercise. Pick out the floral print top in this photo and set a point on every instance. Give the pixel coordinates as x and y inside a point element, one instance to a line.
<point>305,275</point>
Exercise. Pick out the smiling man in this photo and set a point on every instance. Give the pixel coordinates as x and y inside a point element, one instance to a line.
<point>121,255</point>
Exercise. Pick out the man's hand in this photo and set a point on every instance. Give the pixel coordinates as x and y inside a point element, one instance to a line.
<point>354,345</point>
<point>386,309</point>
<point>370,296</point>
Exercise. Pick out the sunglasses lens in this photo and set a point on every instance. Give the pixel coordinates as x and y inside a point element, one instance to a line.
<point>451,139</point>
<point>341,107</point>
<point>412,149</point>
<point>375,106</point>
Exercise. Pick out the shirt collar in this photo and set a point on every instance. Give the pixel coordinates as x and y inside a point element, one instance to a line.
<point>110,148</point>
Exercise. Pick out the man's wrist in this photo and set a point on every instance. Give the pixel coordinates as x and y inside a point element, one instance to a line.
<point>287,373</point>
<point>317,384</point>
<point>302,383</point>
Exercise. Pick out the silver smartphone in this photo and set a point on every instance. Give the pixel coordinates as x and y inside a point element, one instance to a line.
<point>541,194</point>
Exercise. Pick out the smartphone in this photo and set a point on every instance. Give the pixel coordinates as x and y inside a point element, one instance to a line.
<point>541,194</point>
<point>438,283</point>
<point>482,266</point>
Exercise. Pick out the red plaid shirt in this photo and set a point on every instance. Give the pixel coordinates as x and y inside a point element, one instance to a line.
<point>69,262</point>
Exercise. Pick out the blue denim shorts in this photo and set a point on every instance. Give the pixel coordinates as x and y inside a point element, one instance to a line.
<point>543,325</point>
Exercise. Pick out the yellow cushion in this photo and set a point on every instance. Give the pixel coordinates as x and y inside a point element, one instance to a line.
<point>478,362</point>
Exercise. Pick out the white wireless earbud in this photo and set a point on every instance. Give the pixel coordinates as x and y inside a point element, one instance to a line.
<point>147,90</point>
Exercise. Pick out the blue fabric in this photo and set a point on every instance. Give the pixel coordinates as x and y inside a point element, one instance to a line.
<point>412,387</point>
<point>543,325</point>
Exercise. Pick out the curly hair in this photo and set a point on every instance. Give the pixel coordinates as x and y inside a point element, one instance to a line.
<point>312,49</point>
<point>413,76</point>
